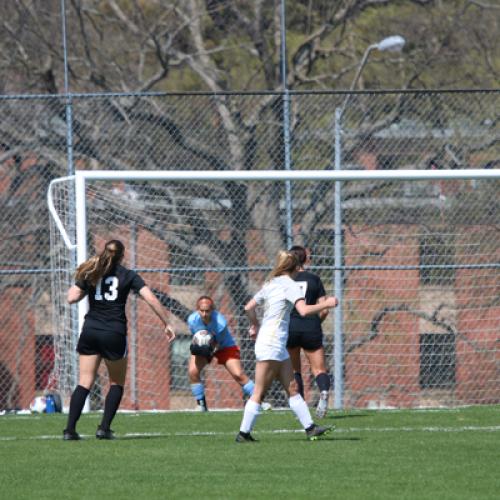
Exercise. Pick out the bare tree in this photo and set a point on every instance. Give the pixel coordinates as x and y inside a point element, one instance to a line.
<point>219,46</point>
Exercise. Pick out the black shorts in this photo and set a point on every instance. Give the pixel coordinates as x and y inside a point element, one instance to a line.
<point>309,341</point>
<point>110,345</point>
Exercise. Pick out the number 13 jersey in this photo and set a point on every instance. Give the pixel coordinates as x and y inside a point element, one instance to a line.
<point>107,300</point>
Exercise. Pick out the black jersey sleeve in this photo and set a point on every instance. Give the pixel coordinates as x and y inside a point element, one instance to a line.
<point>137,283</point>
<point>82,284</point>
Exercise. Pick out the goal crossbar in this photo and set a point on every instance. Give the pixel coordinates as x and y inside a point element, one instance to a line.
<point>291,175</point>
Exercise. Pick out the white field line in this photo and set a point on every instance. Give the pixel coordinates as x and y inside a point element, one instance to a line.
<point>131,435</point>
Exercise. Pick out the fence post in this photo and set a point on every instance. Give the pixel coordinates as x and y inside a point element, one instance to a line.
<point>338,358</point>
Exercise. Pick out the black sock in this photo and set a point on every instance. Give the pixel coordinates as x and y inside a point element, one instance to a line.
<point>111,404</point>
<point>298,378</point>
<point>323,381</point>
<point>76,406</point>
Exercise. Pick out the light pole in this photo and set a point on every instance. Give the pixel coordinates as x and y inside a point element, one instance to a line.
<point>286,128</point>
<point>392,44</point>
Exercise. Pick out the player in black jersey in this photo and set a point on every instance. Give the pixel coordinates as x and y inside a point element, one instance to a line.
<point>104,334</point>
<point>306,333</point>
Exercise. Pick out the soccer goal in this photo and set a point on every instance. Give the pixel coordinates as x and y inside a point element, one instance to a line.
<point>413,256</point>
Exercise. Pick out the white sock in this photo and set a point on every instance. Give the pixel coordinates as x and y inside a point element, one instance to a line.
<point>252,410</point>
<point>299,407</point>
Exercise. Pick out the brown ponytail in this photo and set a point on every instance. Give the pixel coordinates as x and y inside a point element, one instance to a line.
<point>300,253</point>
<point>93,269</point>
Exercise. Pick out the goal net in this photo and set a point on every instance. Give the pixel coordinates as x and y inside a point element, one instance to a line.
<point>416,268</point>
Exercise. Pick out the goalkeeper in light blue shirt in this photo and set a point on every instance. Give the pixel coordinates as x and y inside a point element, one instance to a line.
<point>223,347</point>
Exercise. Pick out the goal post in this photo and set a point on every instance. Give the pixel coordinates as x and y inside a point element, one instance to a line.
<point>406,256</point>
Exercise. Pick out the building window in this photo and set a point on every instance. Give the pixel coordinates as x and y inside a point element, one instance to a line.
<point>436,257</point>
<point>437,360</point>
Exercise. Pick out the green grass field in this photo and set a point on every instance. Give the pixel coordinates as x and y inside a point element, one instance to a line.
<point>371,454</point>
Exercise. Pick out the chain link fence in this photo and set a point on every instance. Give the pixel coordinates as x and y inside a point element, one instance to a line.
<point>420,280</point>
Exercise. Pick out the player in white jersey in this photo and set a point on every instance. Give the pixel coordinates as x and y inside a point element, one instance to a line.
<point>278,296</point>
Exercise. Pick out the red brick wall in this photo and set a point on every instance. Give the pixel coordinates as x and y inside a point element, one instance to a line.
<point>386,368</point>
<point>17,341</point>
<point>478,343</point>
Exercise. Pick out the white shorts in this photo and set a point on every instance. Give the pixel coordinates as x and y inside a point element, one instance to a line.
<point>267,353</point>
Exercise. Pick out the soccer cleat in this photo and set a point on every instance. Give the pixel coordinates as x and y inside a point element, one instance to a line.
<point>104,434</point>
<point>322,407</point>
<point>70,435</point>
<point>245,437</point>
<point>315,431</point>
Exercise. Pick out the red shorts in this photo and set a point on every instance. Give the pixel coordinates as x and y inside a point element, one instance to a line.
<point>224,355</point>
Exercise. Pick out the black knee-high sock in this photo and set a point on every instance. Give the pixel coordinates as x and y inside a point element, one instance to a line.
<point>300,382</point>
<point>111,405</point>
<point>323,381</point>
<point>76,406</point>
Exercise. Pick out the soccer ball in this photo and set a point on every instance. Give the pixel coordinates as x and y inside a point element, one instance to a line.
<point>203,337</point>
<point>38,405</point>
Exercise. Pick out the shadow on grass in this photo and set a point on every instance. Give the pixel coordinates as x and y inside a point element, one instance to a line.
<point>339,438</point>
<point>338,417</point>
<point>134,437</point>
<point>333,437</point>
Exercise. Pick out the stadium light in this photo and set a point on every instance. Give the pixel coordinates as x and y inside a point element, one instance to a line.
<point>393,43</point>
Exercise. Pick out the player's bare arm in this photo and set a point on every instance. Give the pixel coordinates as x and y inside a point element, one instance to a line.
<point>151,299</point>
<point>324,313</point>
<point>75,294</point>
<point>252,316</point>
<point>306,310</point>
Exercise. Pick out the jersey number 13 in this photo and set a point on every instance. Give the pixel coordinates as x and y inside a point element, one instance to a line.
<point>112,293</point>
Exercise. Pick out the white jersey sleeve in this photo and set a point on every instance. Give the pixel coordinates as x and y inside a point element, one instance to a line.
<point>260,296</point>
<point>294,292</point>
